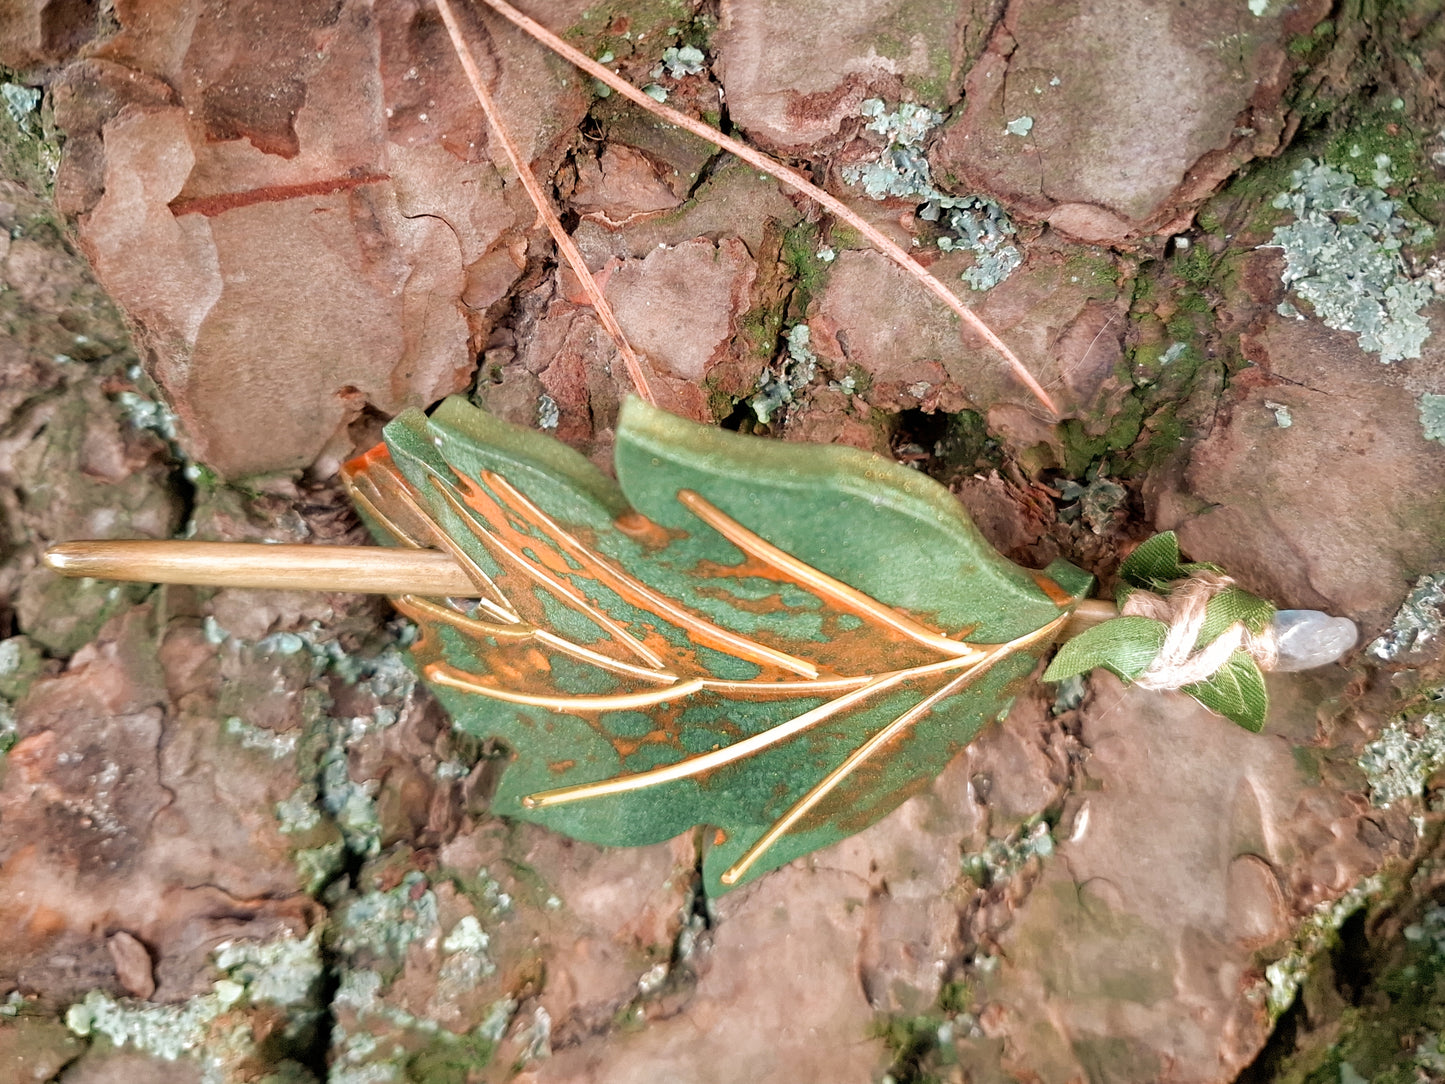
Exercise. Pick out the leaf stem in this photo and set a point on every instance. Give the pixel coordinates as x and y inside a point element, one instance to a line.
<point>565,244</point>
<point>1087,614</point>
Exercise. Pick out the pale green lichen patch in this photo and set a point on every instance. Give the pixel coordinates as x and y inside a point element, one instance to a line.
<point>1432,416</point>
<point>142,412</point>
<point>1318,930</point>
<point>466,960</point>
<point>371,1073</point>
<point>970,223</point>
<point>1430,928</point>
<point>22,103</point>
<point>1283,418</point>
<point>29,144</point>
<point>165,1031</point>
<point>982,228</point>
<point>359,991</point>
<point>1020,127</point>
<point>796,372</point>
<point>299,813</point>
<point>328,799</point>
<point>269,742</point>
<point>282,643</point>
<point>1003,858</point>
<point>350,803</point>
<point>375,1039</point>
<point>901,169</point>
<point>1429,1055</point>
<point>536,1038</point>
<point>284,973</point>
<point>317,865</point>
<point>20,664</point>
<point>652,980</point>
<point>485,891</point>
<point>1407,752</point>
<point>7,726</point>
<point>467,936</point>
<point>1096,502</point>
<point>678,62</point>
<point>384,674</point>
<point>382,924</point>
<point>499,1017</point>
<point>1419,621</point>
<point>1174,353</point>
<point>1343,257</point>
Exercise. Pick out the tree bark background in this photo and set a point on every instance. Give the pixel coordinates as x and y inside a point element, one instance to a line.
<point>238,839</point>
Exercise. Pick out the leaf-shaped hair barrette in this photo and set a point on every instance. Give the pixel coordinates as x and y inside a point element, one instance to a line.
<point>780,642</point>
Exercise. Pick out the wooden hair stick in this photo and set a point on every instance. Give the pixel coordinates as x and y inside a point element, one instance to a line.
<point>377,570</point>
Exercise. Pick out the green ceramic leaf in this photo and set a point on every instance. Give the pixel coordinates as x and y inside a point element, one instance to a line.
<point>778,642</point>
<point>1237,692</point>
<point>1125,645</point>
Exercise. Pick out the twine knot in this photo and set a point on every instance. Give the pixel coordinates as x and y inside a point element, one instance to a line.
<point>1183,610</point>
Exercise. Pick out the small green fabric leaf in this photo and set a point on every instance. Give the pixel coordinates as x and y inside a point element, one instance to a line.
<point>1153,563</point>
<point>1125,645</point>
<point>1237,692</point>
<point>1229,606</point>
<point>1191,567</point>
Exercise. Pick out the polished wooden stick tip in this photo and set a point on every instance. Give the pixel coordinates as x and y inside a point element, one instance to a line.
<point>367,569</point>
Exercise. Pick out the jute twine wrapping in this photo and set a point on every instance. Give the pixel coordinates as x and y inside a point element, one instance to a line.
<point>1183,611</point>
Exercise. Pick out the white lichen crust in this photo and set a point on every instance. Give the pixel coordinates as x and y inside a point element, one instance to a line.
<point>1406,754</point>
<point>973,223</point>
<point>1420,620</point>
<point>211,1029</point>
<point>1343,256</point>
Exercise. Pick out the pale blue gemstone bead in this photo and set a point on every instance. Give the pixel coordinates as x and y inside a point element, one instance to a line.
<point>1309,638</point>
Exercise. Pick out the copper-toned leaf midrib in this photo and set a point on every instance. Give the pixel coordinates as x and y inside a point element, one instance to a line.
<point>704,763</point>
<point>419,609</point>
<point>829,782</point>
<point>491,598</point>
<point>639,594</point>
<point>563,591</point>
<point>832,590</point>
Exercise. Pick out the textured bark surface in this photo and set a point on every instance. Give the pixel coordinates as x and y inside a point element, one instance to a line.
<point>238,838</point>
